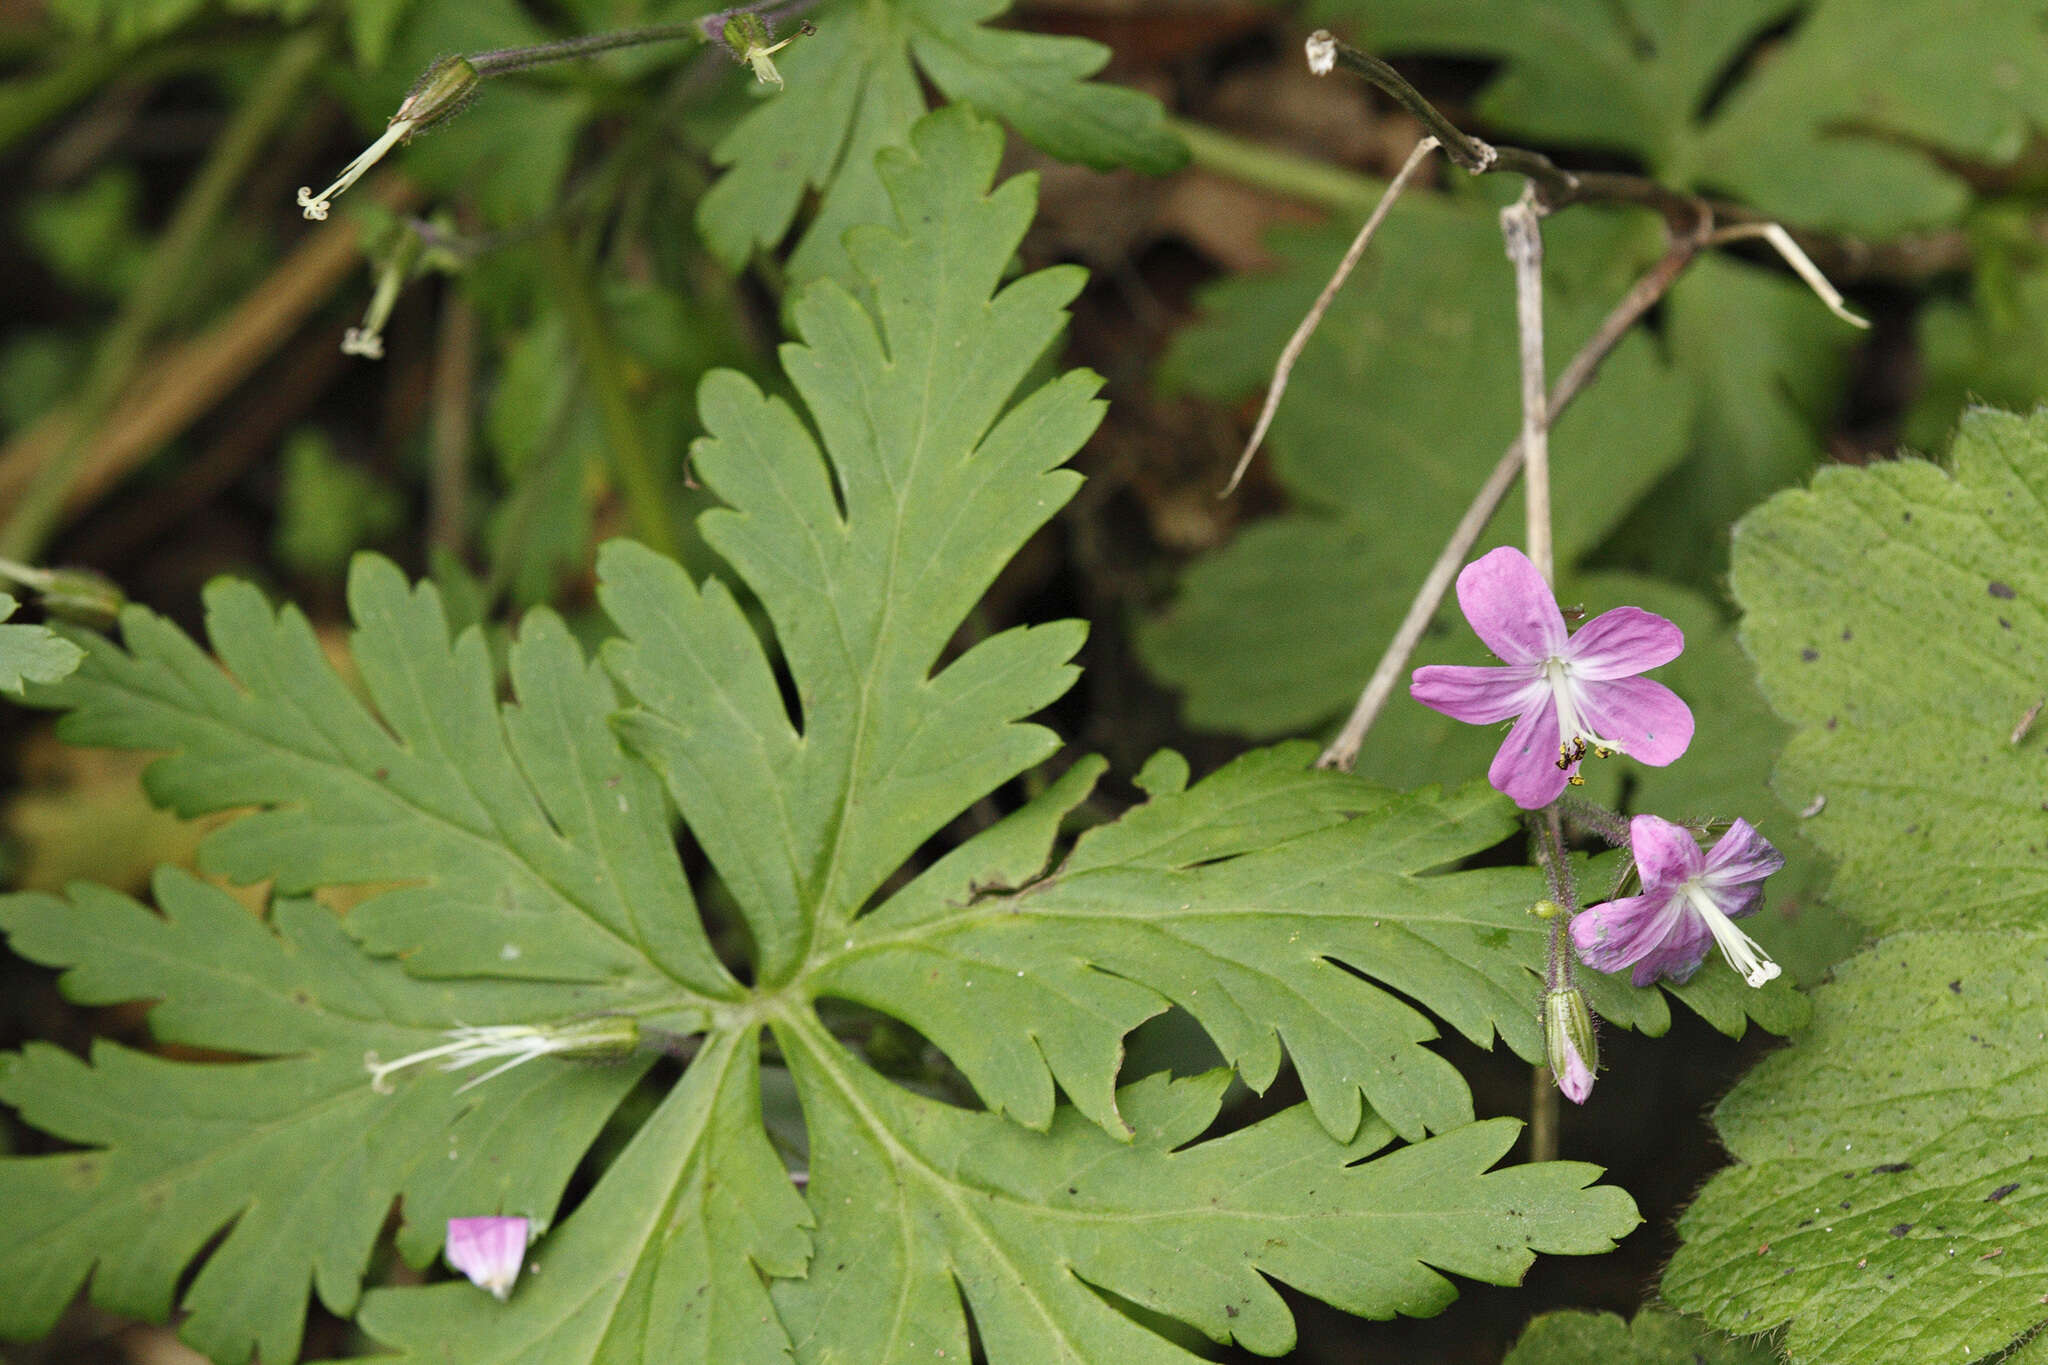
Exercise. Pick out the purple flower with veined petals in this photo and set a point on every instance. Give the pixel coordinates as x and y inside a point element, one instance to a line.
<point>491,1251</point>
<point>1690,900</point>
<point>1568,693</point>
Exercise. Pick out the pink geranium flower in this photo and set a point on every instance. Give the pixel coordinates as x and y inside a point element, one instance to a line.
<point>1568,694</point>
<point>1690,899</point>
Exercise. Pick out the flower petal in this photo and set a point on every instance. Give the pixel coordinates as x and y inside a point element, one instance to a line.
<point>1645,718</point>
<point>1510,607</point>
<point>1622,643</point>
<point>1665,854</point>
<point>1526,766</point>
<point>1737,901</point>
<point>1575,1081</point>
<point>1742,855</point>
<point>1652,933</point>
<point>490,1251</point>
<point>1480,696</point>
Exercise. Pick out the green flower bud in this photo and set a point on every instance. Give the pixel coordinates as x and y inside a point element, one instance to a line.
<point>442,92</point>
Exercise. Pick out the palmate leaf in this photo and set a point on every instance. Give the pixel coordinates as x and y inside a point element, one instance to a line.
<point>511,862</point>
<point>1887,1196</point>
<point>854,87</point>
<point>32,654</point>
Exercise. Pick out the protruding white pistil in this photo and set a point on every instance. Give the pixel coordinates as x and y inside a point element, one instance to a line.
<point>1322,52</point>
<point>317,205</point>
<point>1571,725</point>
<point>1742,951</point>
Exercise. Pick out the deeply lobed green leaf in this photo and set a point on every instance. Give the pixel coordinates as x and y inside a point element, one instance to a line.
<point>915,1198</point>
<point>1573,1336</point>
<point>513,861</point>
<point>291,1153</point>
<point>853,88</point>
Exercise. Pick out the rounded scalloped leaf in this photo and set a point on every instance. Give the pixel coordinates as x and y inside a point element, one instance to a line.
<point>1885,1198</point>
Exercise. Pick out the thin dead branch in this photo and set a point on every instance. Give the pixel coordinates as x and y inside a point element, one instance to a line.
<point>1292,352</point>
<point>1521,229</point>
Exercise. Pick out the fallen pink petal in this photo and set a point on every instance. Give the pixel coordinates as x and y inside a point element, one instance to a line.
<point>491,1251</point>
<point>1569,695</point>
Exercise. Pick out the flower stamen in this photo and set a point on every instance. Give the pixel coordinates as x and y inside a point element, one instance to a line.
<point>511,1045</point>
<point>1576,737</point>
<point>1744,954</point>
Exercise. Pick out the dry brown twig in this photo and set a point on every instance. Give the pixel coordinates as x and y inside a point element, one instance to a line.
<point>1521,230</point>
<point>1290,353</point>
<point>1691,222</point>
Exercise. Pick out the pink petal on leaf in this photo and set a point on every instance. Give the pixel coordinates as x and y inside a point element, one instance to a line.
<point>490,1251</point>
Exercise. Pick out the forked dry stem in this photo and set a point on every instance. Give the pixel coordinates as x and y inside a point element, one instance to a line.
<point>1307,329</point>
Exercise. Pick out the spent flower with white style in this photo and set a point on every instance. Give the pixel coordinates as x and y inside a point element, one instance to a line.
<point>490,1251</point>
<point>601,1038</point>
<point>396,269</point>
<point>443,90</point>
<point>1570,695</point>
<point>1690,900</point>
<point>750,40</point>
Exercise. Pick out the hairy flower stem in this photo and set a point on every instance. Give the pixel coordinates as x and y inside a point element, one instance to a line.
<point>1546,838</point>
<point>710,29</point>
<point>1546,835</point>
<point>1522,232</point>
<point>502,60</point>
<point>1598,820</point>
